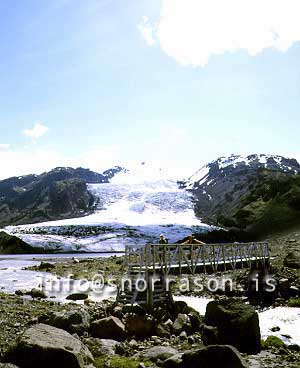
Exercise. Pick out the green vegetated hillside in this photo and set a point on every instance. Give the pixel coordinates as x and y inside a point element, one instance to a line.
<point>259,196</point>
<point>271,204</point>
<point>268,203</point>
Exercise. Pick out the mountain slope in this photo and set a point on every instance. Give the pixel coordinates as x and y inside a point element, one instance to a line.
<point>60,193</point>
<point>13,245</point>
<point>257,193</point>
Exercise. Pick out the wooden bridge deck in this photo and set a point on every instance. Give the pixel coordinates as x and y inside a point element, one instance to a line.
<point>195,258</point>
<point>160,260</point>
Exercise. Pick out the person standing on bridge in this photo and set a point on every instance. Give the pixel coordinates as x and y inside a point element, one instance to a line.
<point>192,240</point>
<point>162,239</point>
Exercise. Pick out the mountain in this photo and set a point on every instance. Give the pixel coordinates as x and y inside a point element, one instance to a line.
<point>57,194</point>
<point>258,193</point>
<point>12,245</point>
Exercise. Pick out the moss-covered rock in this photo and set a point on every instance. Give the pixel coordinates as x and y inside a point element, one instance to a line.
<point>294,302</point>
<point>237,324</point>
<point>272,342</point>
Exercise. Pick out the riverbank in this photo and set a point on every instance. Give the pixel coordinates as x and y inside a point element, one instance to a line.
<point>19,312</point>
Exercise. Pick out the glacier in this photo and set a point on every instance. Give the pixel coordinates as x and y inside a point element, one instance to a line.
<point>135,207</point>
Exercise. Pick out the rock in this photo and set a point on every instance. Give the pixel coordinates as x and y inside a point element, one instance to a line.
<point>46,266</point>
<point>183,336</point>
<point>46,346</point>
<point>182,323</point>
<point>73,321</point>
<point>20,292</point>
<point>175,361</point>
<point>140,326</point>
<point>284,287</point>
<point>99,347</point>
<point>224,356</point>
<point>294,291</point>
<point>209,335</point>
<point>292,260</point>
<point>158,353</point>
<point>134,309</point>
<point>275,329</point>
<point>77,296</point>
<point>133,344</point>
<point>37,293</point>
<point>117,312</point>
<point>273,342</point>
<point>180,306</point>
<point>191,340</point>
<point>237,324</point>
<point>108,328</point>
<point>163,330</point>
<point>7,365</point>
<point>195,318</point>
<point>294,347</point>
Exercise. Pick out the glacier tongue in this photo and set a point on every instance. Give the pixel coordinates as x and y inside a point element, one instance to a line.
<point>135,207</point>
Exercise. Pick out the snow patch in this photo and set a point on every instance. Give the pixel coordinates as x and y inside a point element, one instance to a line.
<point>199,177</point>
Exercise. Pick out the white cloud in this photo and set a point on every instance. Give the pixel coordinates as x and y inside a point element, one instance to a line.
<point>36,132</point>
<point>23,162</point>
<point>99,158</point>
<point>147,31</point>
<point>4,146</point>
<point>32,160</point>
<point>191,31</point>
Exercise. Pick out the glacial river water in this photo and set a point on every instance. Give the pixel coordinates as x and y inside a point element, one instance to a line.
<point>13,277</point>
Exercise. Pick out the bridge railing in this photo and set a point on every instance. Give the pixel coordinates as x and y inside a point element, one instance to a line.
<point>190,258</point>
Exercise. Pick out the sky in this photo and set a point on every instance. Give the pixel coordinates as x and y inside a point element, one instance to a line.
<point>177,83</point>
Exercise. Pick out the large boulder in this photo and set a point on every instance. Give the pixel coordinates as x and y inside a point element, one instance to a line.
<point>108,328</point>
<point>100,347</point>
<point>37,294</point>
<point>156,353</point>
<point>175,361</point>
<point>140,326</point>
<point>180,306</point>
<point>77,296</point>
<point>213,356</point>
<point>209,335</point>
<point>182,323</point>
<point>237,324</point>
<point>46,346</point>
<point>292,260</point>
<point>163,330</point>
<point>73,321</point>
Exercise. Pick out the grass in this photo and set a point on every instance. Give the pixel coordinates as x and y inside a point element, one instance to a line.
<point>117,361</point>
<point>294,302</point>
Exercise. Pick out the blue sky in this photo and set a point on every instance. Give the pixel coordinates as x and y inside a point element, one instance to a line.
<point>98,82</point>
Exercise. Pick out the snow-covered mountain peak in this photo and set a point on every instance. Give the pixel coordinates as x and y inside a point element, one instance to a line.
<point>225,165</point>
<point>266,160</point>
